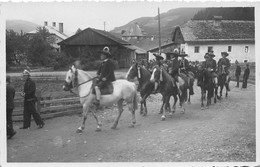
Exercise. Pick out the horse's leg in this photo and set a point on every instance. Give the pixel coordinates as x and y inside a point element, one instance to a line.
<point>226,86</point>
<point>174,104</point>
<point>99,124</point>
<point>132,109</point>
<point>167,106</point>
<point>120,110</point>
<point>161,109</point>
<point>215,94</point>
<point>163,117</point>
<point>189,98</point>
<point>84,117</point>
<point>202,98</point>
<point>144,103</point>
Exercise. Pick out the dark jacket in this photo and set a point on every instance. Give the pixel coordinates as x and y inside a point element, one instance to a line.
<point>174,66</point>
<point>238,70</point>
<point>29,89</point>
<point>246,74</point>
<point>106,70</point>
<point>10,94</point>
<point>184,65</point>
<point>223,61</point>
<point>212,64</point>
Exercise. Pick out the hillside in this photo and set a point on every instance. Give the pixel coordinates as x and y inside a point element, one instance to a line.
<point>20,25</point>
<point>149,25</point>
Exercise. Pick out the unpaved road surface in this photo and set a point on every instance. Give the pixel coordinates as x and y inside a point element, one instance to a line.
<point>226,132</point>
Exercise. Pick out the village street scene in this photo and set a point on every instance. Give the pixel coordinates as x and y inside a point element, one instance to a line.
<point>129,82</point>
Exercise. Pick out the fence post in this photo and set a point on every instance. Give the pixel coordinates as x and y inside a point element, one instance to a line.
<point>38,103</point>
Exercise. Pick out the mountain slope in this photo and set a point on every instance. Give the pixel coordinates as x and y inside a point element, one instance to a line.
<point>20,25</point>
<point>168,21</point>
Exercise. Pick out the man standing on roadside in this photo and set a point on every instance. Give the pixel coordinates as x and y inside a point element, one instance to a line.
<point>237,73</point>
<point>246,76</point>
<point>10,93</point>
<point>29,103</point>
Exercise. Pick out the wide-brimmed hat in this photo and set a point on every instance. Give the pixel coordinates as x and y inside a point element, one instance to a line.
<point>157,56</point>
<point>26,73</point>
<point>211,54</point>
<point>224,53</point>
<point>183,54</point>
<point>175,54</point>
<point>106,52</point>
<point>206,55</point>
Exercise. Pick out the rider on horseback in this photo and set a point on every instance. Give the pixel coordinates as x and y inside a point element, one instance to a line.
<point>211,66</point>
<point>223,67</point>
<point>105,73</point>
<point>158,62</point>
<point>174,68</point>
<point>185,68</point>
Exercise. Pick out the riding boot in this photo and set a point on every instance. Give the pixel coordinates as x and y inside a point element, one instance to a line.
<point>98,94</point>
<point>191,90</point>
<point>227,86</point>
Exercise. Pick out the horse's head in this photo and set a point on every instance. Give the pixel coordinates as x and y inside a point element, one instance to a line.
<point>134,71</point>
<point>70,78</point>
<point>156,74</point>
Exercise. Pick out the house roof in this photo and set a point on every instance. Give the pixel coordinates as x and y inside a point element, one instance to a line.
<point>137,49</point>
<point>201,30</point>
<point>88,32</point>
<point>52,30</point>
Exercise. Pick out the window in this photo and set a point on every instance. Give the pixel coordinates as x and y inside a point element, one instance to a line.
<point>210,49</point>
<point>246,49</point>
<point>229,48</point>
<point>196,49</point>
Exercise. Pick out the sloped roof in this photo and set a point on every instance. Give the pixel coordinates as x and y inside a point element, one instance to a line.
<point>52,30</point>
<point>137,49</point>
<point>72,39</point>
<point>201,30</point>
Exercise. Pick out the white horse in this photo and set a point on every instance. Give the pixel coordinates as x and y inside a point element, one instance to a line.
<point>123,91</point>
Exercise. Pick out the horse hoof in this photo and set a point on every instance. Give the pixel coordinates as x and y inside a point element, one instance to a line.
<point>131,126</point>
<point>183,111</point>
<point>163,118</point>
<point>79,130</point>
<point>113,127</point>
<point>189,102</point>
<point>170,115</point>
<point>202,108</point>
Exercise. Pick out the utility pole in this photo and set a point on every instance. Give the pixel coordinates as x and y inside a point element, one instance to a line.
<point>104,26</point>
<point>159,27</point>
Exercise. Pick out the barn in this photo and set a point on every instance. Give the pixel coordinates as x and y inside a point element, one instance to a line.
<point>87,44</point>
<point>196,37</point>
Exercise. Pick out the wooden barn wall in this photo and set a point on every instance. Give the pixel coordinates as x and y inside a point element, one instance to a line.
<point>121,54</point>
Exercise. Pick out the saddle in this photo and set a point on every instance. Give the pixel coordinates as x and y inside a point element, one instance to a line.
<point>109,89</point>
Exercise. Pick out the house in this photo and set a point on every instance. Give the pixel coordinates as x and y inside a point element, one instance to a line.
<point>88,43</point>
<point>56,34</point>
<point>196,37</point>
<point>165,50</point>
<point>134,31</point>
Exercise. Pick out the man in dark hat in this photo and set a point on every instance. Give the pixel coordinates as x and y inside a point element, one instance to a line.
<point>185,68</point>
<point>223,67</point>
<point>211,66</point>
<point>158,62</point>
<point>246,76</point>
<point>174,68</point>
<point>10,93</point>
<point>105,73</point>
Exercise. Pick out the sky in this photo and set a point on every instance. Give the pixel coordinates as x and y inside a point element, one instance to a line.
<point>82,15</point>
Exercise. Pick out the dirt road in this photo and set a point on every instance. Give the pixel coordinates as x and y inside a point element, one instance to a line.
<point>226,132</point>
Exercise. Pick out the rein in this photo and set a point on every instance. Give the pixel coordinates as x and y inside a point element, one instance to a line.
<point>76,78</point>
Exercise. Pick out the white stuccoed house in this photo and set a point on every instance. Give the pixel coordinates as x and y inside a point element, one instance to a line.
<point>196,37</point>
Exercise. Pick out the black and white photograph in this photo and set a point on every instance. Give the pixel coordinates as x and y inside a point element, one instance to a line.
<point>129,83</point>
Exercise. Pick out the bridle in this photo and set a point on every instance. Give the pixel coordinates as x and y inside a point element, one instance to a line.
<point>78,85</point>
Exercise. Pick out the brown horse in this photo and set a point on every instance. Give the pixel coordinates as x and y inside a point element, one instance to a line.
<point>145,87</point>
<point>167,88</point>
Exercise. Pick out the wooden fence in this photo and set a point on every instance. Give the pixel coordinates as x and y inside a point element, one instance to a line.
<point>49,108</point>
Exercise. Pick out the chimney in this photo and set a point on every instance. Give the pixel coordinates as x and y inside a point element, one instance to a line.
<point>53,24</point>
<point>45,23</point>
<point>61,27</point>
<point>217,21</point>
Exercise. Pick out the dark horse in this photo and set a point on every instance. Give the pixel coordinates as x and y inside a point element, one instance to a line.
<point>167,88</point>
<point>189,84</point>
<point>207,86</point>
<point>221,83</point>
<point>145,86</point>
